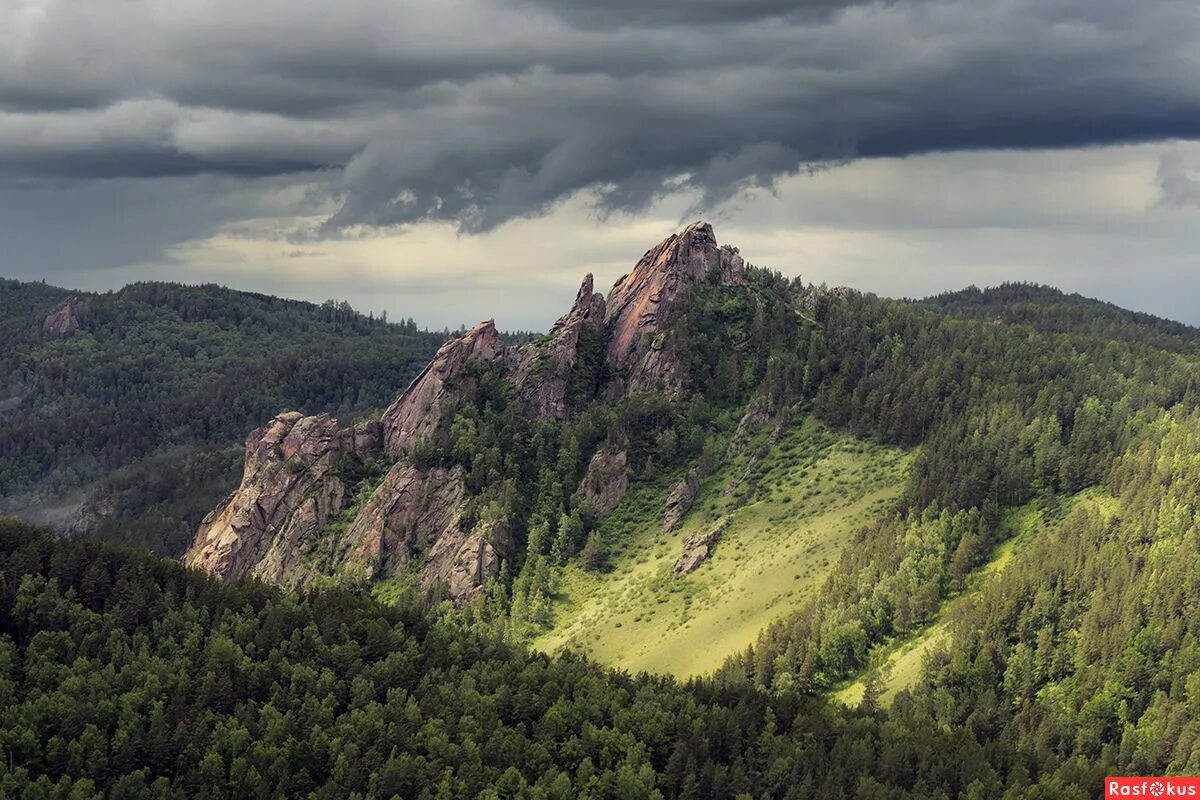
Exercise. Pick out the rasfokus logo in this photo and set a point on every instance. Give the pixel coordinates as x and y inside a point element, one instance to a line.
<point>1152,786</point>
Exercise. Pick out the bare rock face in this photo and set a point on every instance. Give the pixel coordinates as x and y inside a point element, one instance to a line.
<point>62,320</point>
<point>679,501</point>
<point>416,412</point>
<point>543,371</point>
<point>289,491</point>
<point>410,511</point>
<point>640,303</point>
<point>606,480</point>
<point>464,563</point>
<point>698,547</point>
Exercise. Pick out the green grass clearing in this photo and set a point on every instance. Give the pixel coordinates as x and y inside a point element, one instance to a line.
<point>790,512</point>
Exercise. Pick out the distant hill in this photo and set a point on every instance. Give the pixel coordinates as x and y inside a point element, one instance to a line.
<point>156,378</point>
<point>1052,311</point>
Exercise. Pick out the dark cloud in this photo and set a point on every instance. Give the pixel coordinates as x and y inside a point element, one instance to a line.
<point>481,111</point>
<point>627,13</point>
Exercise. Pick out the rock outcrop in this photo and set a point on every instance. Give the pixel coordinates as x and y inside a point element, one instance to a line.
<point>461,565</point>
<point>698,547</point>
<point>606,480</point>
<point>543,371</point>
<point>416,412</point>
<point>290,489</point>
<point>410,512</point>
<point>62,320</point>
<point>639,307</point>
<point>680,499</point>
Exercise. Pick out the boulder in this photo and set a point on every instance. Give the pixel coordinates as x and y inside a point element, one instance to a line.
<point>698,547</point>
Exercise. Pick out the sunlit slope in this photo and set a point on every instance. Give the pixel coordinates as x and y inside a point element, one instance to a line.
<point>900,665</point>
<point>791,506</point>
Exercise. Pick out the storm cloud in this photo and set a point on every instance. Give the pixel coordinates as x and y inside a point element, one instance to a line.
<point>477,112</point>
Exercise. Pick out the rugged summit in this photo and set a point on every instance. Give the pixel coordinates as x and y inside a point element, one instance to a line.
<point>640,303</point>
<point>297,516</point>
<point>417,411</point>
<point>542,372</point>
<point>290,490</point>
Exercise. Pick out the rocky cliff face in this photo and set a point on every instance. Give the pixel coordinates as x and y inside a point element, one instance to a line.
<point>290,489</point>
<point>416,412</point>
<point>543,371</point>
<point>641,303</point>
<point>606,480</point>
<point>280,523</point>
<point>410,512</point>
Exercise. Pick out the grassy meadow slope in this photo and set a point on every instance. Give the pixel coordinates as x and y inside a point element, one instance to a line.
<point>791,506</point>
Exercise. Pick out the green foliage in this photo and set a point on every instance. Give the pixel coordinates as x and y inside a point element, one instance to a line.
<point>594,556</point>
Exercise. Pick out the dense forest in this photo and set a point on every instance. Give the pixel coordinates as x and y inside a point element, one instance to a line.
<point>163,376</point>
<point>1005,414</point>
<point>123,676</point>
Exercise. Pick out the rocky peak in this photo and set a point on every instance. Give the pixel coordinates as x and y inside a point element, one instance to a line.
<point>277,525</point>
<point>417,411</point>
<point>640,303</point>
<point>588,308</point>
<point>543,370</point>
<point>62,320</point>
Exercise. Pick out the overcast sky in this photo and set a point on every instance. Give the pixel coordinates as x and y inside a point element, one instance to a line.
<point>455,159</point>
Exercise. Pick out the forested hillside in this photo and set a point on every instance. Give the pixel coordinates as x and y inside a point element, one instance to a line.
<point>167,372</point>
<point>123,676</point>
<point>128,677</point>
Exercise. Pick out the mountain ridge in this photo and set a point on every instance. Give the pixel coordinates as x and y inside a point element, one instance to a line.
<point>640,356</point>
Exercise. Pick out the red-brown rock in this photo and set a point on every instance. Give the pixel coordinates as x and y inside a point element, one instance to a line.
<point>416,412</point>
<point>640,304</point>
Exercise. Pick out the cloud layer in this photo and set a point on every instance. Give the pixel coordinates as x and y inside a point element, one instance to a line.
<point>476,112</point>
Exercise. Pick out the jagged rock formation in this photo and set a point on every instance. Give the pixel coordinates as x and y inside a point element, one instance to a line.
<point>62,320</point>
<point>640,304</point>
<point>290,489</point>
<point>293,517</point>
<point>606,480</point>
<point>416,412</point>
<point>679,501</point>
<point>543,371</point>
<point>698,547</point>
<point>463,564</point>
<point>410,512</point>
